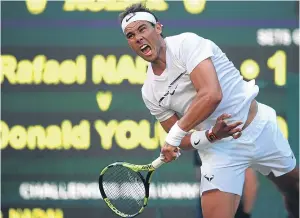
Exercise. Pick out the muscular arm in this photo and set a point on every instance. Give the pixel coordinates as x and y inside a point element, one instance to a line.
<point>209,95</point>
<point>185,142</point>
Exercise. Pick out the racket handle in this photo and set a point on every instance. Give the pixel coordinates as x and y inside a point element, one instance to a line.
<point>157,162</point>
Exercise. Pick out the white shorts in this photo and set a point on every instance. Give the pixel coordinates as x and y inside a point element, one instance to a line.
<point>261,147</point>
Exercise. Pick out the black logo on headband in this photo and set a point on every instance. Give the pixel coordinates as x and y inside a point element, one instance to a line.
<point>129,16</point>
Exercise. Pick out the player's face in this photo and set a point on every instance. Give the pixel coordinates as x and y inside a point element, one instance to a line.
<point>144,39</point>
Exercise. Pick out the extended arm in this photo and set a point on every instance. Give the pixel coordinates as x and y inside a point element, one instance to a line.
<point>196,52</point>
<point>209,95</point>
<point>207,99</point>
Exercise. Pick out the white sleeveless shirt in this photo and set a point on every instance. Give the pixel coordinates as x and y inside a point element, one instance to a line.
<point>172,92</point>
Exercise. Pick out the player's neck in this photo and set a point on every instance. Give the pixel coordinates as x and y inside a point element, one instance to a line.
<point>159,65</point>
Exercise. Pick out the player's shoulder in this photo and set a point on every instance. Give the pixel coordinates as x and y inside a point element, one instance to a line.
<point>181,43</point>
<point>177,40</point>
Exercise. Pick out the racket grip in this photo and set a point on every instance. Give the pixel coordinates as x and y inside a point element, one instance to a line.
<point>157,162</point>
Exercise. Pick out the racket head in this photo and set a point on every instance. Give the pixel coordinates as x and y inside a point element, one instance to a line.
<point>124,189</point>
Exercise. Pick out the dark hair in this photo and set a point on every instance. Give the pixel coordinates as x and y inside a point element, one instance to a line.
<point>138,7</point>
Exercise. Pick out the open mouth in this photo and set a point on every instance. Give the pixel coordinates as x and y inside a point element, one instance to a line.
<point>146,49</point>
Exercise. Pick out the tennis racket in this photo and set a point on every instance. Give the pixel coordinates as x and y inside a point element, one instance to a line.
<point>124,189</point>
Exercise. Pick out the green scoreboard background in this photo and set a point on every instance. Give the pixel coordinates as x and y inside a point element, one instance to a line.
<point>71,100</point>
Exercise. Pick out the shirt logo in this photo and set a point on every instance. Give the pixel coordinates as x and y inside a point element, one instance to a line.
<point>166,94</point>
<point>171,90</point>
<point>209,177</point>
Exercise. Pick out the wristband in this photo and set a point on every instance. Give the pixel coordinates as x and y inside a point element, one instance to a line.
<point>175,135</point>
<point>199,140</point>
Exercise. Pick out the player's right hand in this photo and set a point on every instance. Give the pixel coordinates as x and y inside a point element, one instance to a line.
<point>223,129</point>
<point>169,152</point>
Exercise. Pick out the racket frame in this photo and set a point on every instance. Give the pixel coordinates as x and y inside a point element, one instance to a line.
<point>136,168</point>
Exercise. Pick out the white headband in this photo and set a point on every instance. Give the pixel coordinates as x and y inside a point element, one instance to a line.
<point>137,16</point>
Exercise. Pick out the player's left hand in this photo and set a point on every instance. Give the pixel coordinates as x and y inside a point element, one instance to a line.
<point>170,152</point>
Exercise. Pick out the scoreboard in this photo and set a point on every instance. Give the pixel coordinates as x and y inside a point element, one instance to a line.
<point>71,99</point>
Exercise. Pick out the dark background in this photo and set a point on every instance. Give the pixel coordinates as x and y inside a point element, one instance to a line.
<point>51,54</point>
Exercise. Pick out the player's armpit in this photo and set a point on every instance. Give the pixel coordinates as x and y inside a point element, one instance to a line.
<point>209,95</point>
<point>186,141</point>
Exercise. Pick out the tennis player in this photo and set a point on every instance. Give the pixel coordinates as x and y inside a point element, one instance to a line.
<point>190,83</point>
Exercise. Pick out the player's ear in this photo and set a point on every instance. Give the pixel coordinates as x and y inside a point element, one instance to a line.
<point>158,28</point>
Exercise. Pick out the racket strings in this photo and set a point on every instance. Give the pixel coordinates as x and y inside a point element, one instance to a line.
<point>124,188</point>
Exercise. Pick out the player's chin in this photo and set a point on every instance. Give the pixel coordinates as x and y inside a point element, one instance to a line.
<point>148,58</point>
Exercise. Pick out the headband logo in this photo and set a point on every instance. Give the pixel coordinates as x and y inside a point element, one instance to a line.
<point>129,16</point>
